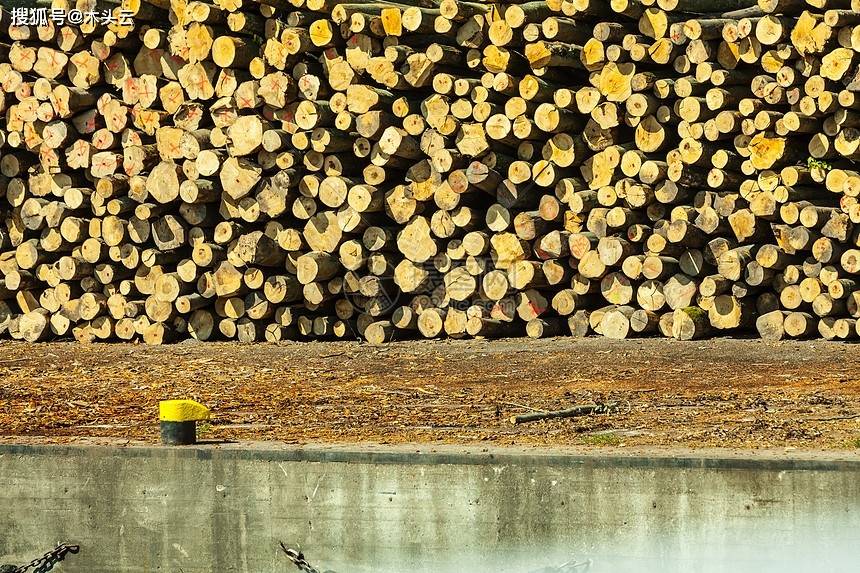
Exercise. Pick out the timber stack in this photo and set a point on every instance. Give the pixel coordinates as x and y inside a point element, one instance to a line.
<point>311,169</point>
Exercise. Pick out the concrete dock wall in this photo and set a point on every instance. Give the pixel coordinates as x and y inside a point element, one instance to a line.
<point>224,509</point>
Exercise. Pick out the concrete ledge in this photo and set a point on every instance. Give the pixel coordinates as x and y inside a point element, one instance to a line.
<point>430,509</point>
<point>458,455</point>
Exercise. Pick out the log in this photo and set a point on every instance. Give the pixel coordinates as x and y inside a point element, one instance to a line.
<point>279,171</point>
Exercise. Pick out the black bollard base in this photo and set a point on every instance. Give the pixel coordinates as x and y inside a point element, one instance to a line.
<point>178,433</point>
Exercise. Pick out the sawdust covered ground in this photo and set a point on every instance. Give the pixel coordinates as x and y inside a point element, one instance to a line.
<point>718,393</point>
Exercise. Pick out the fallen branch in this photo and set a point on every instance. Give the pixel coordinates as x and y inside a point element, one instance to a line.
<point>576,411</point>
<point>522,406</point>
<point>834,418</point>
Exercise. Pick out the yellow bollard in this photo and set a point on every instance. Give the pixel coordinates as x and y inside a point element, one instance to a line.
<point>178,420</point>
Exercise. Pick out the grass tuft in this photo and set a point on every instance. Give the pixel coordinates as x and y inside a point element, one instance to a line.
<point>604,439</point>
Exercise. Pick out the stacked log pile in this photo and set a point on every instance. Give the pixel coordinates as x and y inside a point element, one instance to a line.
<point>298,169</point>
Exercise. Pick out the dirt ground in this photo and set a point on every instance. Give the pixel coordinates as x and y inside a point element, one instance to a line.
<point>718,393</point>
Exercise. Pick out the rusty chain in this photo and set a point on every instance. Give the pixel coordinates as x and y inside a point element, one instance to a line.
<point>298,559</point>
<point>47,561</point>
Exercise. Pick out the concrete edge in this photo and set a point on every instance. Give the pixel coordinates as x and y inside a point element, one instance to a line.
<point>771,460</point>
